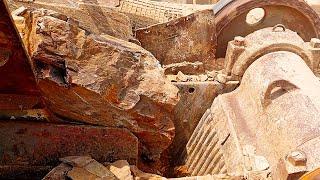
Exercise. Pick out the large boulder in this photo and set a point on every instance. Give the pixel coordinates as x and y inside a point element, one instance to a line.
<point>100,80</point>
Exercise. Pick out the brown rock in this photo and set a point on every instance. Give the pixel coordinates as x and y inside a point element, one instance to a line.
<point>182,77</point>
<point>221,78</point>
<point>80,168</point>
<point>81,174</point>
<point>99,170</point>
<point>77,161</point>
<point>86,168</point>
<point>121,169</point>
<point>95,16</point>
<point>203,77</point>
<point>58,172</point>
<point>101,80</point>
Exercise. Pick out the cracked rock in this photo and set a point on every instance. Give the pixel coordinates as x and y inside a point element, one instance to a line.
<point>100,80</point>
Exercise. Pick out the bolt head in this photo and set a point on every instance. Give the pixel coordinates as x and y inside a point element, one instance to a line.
<point>239,41</point>
<point>297,158</point>
<point>315,43</point>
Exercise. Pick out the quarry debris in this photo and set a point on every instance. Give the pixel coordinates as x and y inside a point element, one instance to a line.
<point>138,89</point>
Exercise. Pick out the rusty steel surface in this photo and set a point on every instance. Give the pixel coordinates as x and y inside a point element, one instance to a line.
<point>16,74</point>
<point>15,71</point>
<point>262,120</point>
<point>243,51</point>
<point>179,41</point>
<point>35,144</point>
<point>195,98</point>
<point>296,15</point>
<point>203,154</point>
<point>145,12</point>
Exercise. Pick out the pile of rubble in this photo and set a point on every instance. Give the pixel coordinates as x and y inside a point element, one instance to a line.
<point>190,91</point>
<point>84,167</point>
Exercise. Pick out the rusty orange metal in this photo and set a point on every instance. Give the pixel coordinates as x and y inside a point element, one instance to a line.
<point>272,115</point>
<point>296,15</point>
<point>27,146</point>
<point>16,73</point>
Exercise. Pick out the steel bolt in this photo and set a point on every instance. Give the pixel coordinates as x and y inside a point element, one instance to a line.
<point>4,56</point>
<point>239,41</point>
<point>297,158</point>
<point>315,43</point>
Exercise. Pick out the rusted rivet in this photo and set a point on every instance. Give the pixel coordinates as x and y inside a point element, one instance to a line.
<point>297,158</point>
<point>315,43</point>
<point>239,41</point>
<point>4,56</point>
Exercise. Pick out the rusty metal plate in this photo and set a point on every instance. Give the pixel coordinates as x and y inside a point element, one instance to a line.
<point>15,71</point>
<point>42,144</point>
<point>195,99</point>
<point>187,39</point>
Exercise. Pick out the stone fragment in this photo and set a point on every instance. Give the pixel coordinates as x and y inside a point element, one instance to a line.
<point>221,78</point>
<point>86,168</point>
<point>80,168</point>
<point>297,158</point>
<point>80,174</point>
<point>19,11</point>
<point>172,78</point>
<point>121,169</point>
<point>181,77</point>
<point>101,80</point>
<point>77,161</point>
<point>140,175</point>
<point>193,78</point>
<point>189,67</point>
<point>203,77</point>
<point>99,170</point>
<point>59,172</point>
<point>212,74</point>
